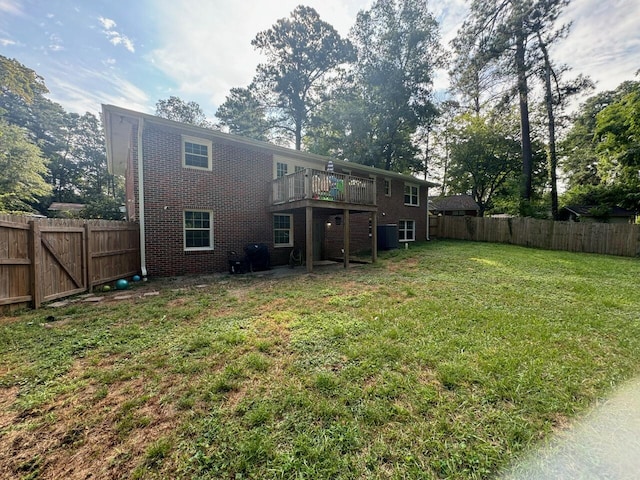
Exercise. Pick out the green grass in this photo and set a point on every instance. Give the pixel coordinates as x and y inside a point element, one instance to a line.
<point>447,360</point>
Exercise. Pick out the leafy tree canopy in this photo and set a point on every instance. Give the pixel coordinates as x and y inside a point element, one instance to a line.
<point>387,99</point>
<point>244,114</point>
<point>19,80</point>
<point>22,170</point>
<point>601,153</point>
<point>176,109</point>
<point>302,53</point>
<point>485,156</point>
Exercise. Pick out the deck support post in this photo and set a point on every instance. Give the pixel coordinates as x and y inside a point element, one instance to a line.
<point>347,236</point>
<point>374,237</point>
<point>309,239</point>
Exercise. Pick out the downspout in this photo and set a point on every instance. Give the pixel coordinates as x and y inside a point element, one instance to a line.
<point>143,256</point>
<point>427,188</point>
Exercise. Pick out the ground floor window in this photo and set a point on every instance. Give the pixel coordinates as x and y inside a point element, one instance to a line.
<point>407,230</point>
<point>283,230</point>
<point>198,230</point>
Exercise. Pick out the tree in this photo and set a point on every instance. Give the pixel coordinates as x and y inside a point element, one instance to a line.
<point>340,129</point>
<point>501,36</point>
<point>19,80</point>
<point>70,145</point>
<point>102,207</point>
<point>302,53</point>
<point>445,129</point>
<point>21,170</point>
<point>600,152</point>
<point>398,50</point>
<point>243,114</point>
<point>617,135</point>
<point>484,156</point>
<point>176,109</point>
<point>555,99</point>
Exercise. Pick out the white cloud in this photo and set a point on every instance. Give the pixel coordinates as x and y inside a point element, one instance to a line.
<point>5,42</point>
<point>116,38</point>
<point>206,49</point>
<point>604,42</point>
<point>11,7</point>
<point>107,23</point>
<point>83,90</point>
<point>56,43</point>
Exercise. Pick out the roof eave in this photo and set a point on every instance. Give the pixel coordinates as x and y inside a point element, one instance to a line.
<point>109,111</point>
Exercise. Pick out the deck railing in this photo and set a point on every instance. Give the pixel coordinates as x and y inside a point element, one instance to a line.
<point>319,185</point>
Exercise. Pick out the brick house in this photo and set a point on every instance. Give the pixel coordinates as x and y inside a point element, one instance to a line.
<point>199,194</point>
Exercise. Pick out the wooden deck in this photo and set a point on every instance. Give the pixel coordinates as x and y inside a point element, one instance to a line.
<point>335,191</point>
<point>320,193</point>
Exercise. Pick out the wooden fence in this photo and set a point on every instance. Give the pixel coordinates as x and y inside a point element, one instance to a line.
<point>604,238</point>
<point>47,259</point>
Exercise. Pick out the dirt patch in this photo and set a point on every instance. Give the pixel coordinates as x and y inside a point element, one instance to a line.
<point>90,433</point>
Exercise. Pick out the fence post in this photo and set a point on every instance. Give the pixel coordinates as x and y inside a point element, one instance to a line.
<point>35,253</point>
<point>88,257</point>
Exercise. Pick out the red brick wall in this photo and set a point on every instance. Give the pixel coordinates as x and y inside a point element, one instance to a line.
<point>359,240</point>
<point>236,191</point>
<point>390,211</point>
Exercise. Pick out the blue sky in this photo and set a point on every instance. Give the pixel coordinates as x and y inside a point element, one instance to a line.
<point>132,53</point>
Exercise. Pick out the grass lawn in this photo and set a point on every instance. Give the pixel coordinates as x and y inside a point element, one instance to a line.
<point>447,360</point>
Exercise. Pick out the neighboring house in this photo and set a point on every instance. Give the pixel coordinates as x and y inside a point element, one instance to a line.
<point>200,194</point>
<point>591,213</point>
<point>456,205</point>
<point>61,208</point>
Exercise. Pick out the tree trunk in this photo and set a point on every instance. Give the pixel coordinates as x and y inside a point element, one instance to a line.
<point>525,129</point>
<point>553,158</point>
<point>298,134</point>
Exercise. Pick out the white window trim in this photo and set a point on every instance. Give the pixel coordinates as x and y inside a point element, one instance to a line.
<point>410,185</point>
<point>405,230</point>
<point>283,245</point>
<point>184,232</point>
<point>198,141</point>
<point>384,181</point>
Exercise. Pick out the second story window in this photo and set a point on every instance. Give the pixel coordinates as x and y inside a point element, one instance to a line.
<point>196,153</point>
<point>411,196</point>
<point>281,169</point>
<point>387,187</point>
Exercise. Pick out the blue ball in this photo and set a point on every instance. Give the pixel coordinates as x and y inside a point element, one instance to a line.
<point>136,278</point>
<point>122,284</point>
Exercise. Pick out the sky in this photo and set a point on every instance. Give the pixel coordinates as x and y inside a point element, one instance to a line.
<point>136,52</point>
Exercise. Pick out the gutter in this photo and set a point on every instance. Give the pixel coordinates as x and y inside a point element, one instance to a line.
<point>143,254</point>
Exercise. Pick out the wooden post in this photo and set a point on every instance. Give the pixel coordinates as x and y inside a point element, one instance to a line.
<point>374,237</point>
<point>88,259</point>
<point>309,240</point>
<point>347,235</point>
<point>35,254</point>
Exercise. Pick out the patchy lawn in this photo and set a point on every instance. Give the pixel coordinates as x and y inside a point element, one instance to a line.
<point>447,360</point>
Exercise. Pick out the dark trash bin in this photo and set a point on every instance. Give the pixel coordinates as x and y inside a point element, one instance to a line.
<point>257,257</point>
<point>237,262</point>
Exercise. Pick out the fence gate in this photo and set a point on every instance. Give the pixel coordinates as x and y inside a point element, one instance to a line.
<point>60,253</point>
